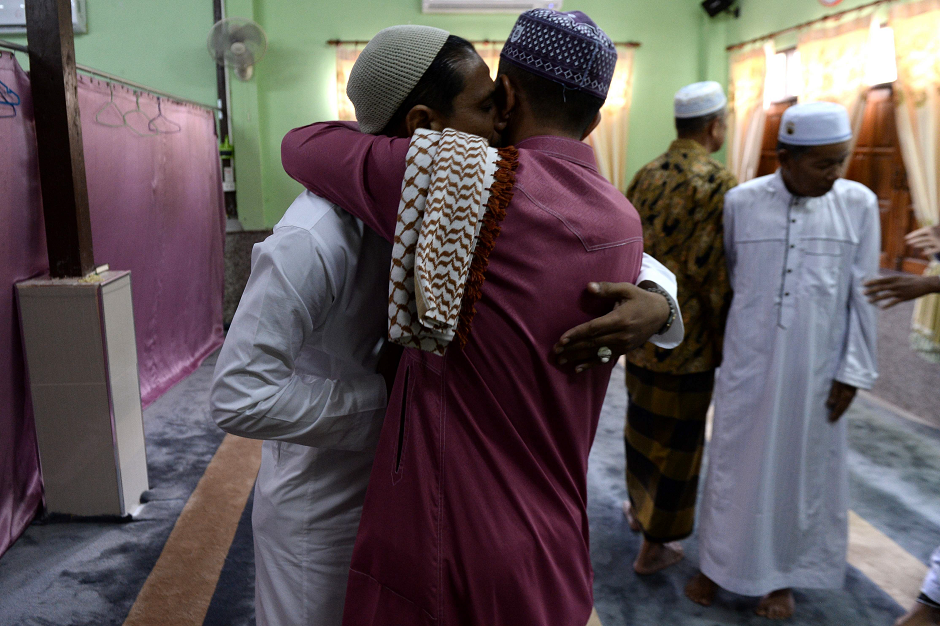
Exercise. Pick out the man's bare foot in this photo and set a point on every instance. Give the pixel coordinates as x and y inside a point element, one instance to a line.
<point>628,513</point>
<point>655,557</point>
<point>701,589</point>
<point>920,615</point>
<point>777,604</point>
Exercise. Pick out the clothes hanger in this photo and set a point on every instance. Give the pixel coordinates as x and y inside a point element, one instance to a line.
<point>110,105</point>
<point>9,100</point>
<point>173,126</point>
<point>139,113</point>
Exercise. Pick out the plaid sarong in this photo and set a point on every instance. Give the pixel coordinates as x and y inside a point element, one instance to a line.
<point>664,439</point>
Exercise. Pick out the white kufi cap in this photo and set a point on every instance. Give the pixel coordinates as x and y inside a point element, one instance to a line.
<point>815,124</point>
<point>699,100</point>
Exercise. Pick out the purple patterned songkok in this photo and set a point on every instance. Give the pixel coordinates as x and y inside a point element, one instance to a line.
<point>567,48</point>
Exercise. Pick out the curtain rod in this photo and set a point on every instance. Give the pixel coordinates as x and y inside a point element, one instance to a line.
<point>117,79</point>
<point>805,24</point>
<point>357,42</point>
<point>129,83</point>
<point>13,46</point>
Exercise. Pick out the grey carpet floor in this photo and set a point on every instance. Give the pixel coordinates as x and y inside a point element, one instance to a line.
<point>906,380</point>
<point>64,573</point>
<point>894,472</point>
<point>76,573</point>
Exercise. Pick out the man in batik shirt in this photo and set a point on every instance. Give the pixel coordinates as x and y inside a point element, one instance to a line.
<point>680,197</point>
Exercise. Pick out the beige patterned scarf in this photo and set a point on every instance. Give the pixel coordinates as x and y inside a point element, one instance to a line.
<point>453,199</point>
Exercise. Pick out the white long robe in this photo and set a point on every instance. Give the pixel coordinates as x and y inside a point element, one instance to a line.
<point>774,509</point>
<point>931,587</point>
<point>298,370</point>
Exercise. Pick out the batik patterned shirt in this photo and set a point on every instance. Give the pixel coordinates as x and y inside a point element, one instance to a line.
<point>680,198</point>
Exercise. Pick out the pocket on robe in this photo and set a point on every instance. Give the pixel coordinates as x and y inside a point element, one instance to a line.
<point>400,534</point>
<point>823,261</point>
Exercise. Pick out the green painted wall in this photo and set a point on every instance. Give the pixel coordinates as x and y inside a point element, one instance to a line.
<point>160,43</point>
<point>296,78</point>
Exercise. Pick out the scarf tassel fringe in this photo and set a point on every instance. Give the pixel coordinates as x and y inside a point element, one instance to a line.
<point>500,195</point>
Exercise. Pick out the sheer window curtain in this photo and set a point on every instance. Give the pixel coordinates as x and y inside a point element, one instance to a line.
<point>489,52</point>
<point>609,139</point>
<point>747,109</point>
<point>346,55</point>
<point>835,64</point>
<point>917,110</point>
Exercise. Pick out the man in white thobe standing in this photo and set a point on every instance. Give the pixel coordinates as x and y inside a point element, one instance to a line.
<point>300,367</point>
<point>800,340</point>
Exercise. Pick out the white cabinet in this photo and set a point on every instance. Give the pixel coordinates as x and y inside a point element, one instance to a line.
<point>81,359</point>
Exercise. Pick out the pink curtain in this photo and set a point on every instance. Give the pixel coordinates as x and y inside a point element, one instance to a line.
<point>22,255</point>
<point>156,209</point>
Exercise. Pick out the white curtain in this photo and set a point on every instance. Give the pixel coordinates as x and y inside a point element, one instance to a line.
<point>489,51</point>
<point>346,55</point>
<point>835,64</point>
<point>917,45</point>
<point>917,97</point>
<point>747,109</point>
<point>609,139</point>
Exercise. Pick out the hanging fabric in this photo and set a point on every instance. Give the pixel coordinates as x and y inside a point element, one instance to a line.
<point>22,256</point>
<point>747,109</point>
<point>155,196</point>
<point>609,139</point>
<point>835,64</point>
<point>917,111</point>
<point>156,209</point>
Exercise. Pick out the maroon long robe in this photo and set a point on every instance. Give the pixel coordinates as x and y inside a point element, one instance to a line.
<point>476,508</point>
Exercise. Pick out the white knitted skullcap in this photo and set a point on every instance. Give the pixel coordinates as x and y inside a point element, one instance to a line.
<point>815,124</point>
<point>699,100</point>
<point>388,69</point>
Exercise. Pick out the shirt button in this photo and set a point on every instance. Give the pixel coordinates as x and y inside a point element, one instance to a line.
<point>787,293</point>
<point>792,245</point>
<point>789,271</point>
<point>793,220</point>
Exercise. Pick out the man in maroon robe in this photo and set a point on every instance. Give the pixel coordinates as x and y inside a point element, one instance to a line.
<point>476,507</point>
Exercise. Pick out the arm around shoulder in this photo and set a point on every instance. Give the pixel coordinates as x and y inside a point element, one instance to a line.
<point>359,172</point>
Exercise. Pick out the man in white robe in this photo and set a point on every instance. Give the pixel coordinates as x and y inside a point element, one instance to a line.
<point>299,368</point>
<point>889,291</point>
<point>927,610</point>
<point>800,340</point>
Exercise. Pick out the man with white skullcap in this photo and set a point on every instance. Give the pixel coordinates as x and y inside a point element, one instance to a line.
<point>680,197</point>
<point>799,342</point>
<point>476,509</point>
<point>304,365</point>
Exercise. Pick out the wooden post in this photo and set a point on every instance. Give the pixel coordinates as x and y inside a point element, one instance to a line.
<point>59,137</point>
